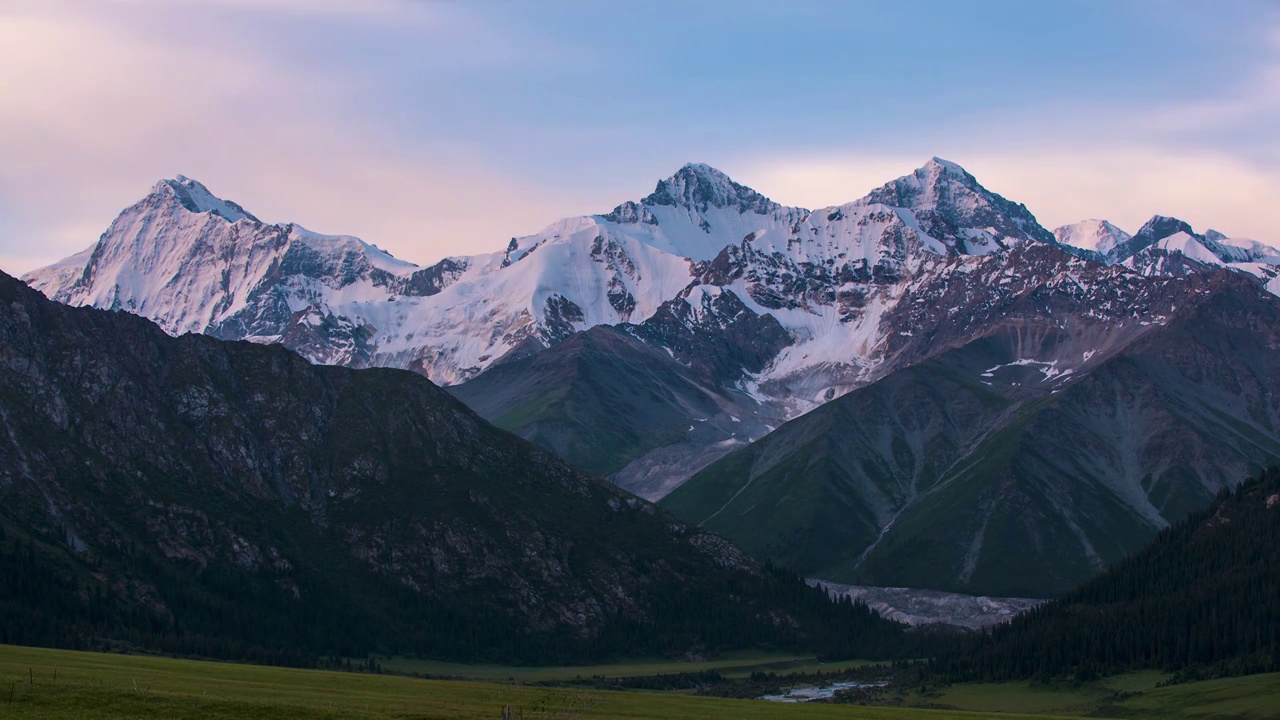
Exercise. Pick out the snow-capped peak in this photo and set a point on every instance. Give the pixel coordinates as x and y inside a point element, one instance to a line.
<point>1189,245</point>
<point>196,198</point>
<point>194,262</point>
<point>1227,249</point>
<point>1254,249</point>
<point>952,206</point>
<point>1168,246</point>
<point>699,187</point>
<point>1095,235</point>
<point>941,166</point>
<point>924,188</point>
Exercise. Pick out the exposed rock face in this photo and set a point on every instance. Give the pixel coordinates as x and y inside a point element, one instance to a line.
<point>700,187</point>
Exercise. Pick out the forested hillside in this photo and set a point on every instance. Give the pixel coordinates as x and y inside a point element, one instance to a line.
<point>227,499</point>
<point>1202,599</point>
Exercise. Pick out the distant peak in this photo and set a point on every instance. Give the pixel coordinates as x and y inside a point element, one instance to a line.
<point>1092,225</point>
<point>699,186</point>
<point>922,186</point>
<point>1160,227</point>
<point>703,170</point>
<point>197,198</point>
<point>935,173</point>
<point>945,166</point>
<point>1094,234</point>
<point>953,206</point>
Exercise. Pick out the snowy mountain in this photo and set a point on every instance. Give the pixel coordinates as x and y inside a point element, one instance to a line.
<point>1036,451</point>
<point>194,263</point>
<point>1093,236</point>
<point>751,312</point>
<point>1182,251</point>
<point>947,203</point>
<point>1167,246</point>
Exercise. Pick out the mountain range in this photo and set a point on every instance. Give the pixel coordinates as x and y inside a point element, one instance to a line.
<point>659,341</point>
<point>1021,463</point>
<point>227,499</point>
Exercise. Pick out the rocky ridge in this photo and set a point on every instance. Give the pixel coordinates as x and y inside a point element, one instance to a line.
<point>763,312</point>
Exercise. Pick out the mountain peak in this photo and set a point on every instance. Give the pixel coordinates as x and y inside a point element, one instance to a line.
<point>698,186</point>
<point>926,186</point>
<point>1095,235</point>
<point>1160,227</point>
<point>953,206</point>
<point>703,170</point>
<point>941,166</point>
<point>197,198</point>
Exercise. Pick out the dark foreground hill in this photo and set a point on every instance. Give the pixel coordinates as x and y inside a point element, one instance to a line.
<point>228,499</point>
<point>1203,598</point>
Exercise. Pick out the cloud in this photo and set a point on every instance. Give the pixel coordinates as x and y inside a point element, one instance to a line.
<point>1213,161</point>
<point>349,117</point>
<point>94,111</point>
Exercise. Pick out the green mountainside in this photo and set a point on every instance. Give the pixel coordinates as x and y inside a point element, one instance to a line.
<point>1201,599</point>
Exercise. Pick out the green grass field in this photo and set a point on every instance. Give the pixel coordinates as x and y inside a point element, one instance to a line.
<point>39,683</point>
<point>1254,697</point>
<point>1026,697</point>
<point>92,685</point>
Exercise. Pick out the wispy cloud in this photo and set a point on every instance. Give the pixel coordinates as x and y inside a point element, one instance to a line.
<point>1212,160</point>
<point>1124,185</point>
<point>93,112</point>
<point>436,128</point>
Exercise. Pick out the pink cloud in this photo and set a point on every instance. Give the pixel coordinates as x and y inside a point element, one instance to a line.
<point>93,113</point>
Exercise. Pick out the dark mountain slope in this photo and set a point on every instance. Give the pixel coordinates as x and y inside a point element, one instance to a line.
<point>618,401</point>
<point>561,396</point>
<point>225,498</point>
<point>985,471</point>
<point>816,492</point>
<point>1201,595</point>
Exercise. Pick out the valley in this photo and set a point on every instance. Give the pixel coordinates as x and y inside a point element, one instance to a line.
<point>570,359</point>
<point>923,389</point>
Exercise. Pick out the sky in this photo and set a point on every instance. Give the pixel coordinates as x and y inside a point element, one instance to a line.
<point>435,128</point>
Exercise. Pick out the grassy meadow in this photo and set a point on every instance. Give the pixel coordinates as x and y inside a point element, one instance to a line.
<point>67,684</point>
<point>41,683</point>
